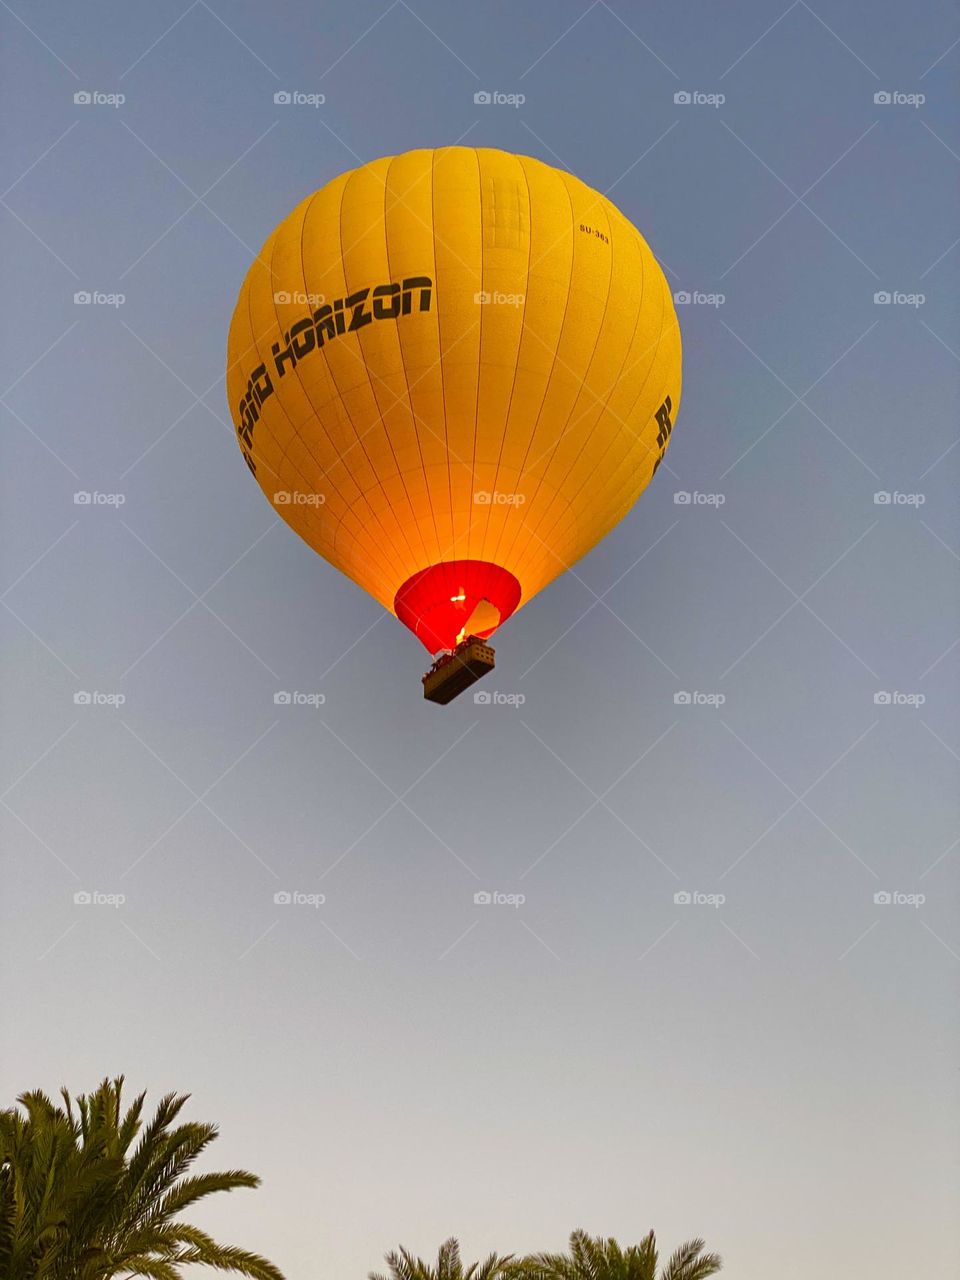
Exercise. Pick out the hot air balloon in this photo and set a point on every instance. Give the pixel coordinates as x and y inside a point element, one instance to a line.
<point>452,372</point>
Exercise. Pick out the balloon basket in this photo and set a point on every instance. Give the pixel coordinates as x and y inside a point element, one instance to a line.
<point>458,670</point>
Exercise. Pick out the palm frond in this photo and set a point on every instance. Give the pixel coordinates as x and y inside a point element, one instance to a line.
<point>79,1202</point>
<point>689,1262</point>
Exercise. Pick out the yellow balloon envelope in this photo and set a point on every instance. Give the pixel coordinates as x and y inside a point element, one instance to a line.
<point>452,372</point>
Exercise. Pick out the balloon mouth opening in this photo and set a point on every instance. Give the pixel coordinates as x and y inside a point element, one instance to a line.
<point>445,603</point>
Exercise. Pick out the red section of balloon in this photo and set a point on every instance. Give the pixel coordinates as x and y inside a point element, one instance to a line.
<point>437,603</point>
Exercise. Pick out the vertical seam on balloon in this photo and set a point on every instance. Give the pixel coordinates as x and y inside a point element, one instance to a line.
<point>638,437</point>
<point>316,418</point>
<point>384,557</point>
<point>438,364</point>
<point>558,487</point>
<point>611,495</point>
<point>307,443</point>
<point>511,550</point>
<point>315,518</point>
<point>295,434</point>
<point>508,550</point>
<point>360,437</point>
<point>443,384</point>
<point>516,362</point>
<point>406,377</point>
<point>603,405</point>
<point>373,392</point>
<point>625,422</point>
<point>476,408</point>
<point>256,346</point>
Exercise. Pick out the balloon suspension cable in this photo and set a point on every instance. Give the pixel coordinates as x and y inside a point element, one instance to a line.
<point>458,669</point>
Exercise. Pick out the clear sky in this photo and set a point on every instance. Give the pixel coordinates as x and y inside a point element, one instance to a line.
<point>777,1070</point>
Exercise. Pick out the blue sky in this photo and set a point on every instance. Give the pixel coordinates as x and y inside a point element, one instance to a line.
<point>776,1070</point>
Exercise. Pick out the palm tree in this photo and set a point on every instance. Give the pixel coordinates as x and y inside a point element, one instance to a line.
<point>593,1258</point>
<point>404,1266</point>
<point>80,1201</point>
